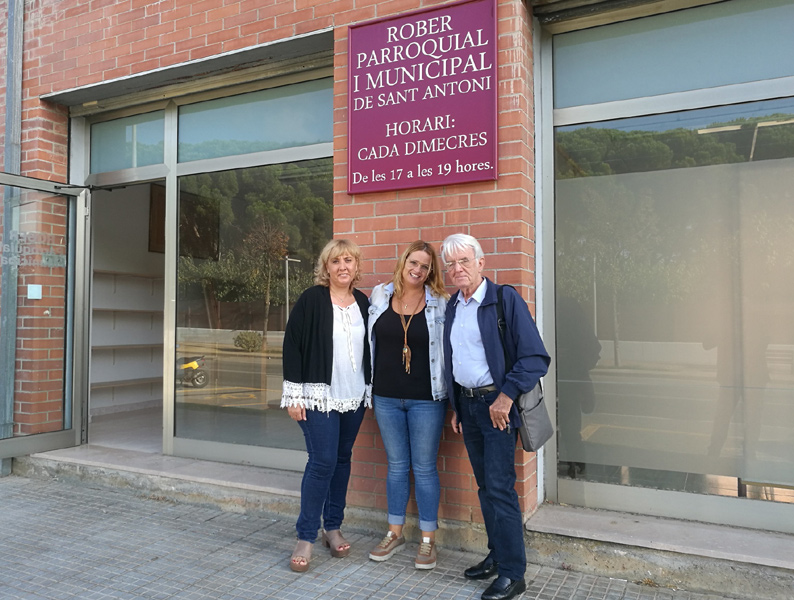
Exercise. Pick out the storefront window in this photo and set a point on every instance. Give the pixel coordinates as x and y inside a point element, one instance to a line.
<point>282,117</point>
<point>675,300</point>
<point>747,41</point>
<point>127,143</point>
<point>248,242</point>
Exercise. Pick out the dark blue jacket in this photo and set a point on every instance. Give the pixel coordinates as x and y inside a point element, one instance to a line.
<point>524,346</point>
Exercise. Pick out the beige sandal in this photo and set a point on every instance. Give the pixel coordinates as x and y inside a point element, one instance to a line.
<point>338,545</point>
<point>301,556</point>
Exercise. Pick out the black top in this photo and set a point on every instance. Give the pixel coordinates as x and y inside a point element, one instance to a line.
<point>390,378</point>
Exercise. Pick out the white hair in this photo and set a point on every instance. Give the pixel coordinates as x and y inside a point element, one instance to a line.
<point>460,242</point>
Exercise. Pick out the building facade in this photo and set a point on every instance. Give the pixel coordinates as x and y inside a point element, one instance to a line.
<point>171,171</point>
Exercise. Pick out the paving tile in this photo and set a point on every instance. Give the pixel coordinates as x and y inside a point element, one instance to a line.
<point>61,541</point>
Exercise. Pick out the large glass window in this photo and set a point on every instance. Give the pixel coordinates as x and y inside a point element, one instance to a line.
<point>281,117</point>
<point>709,46</point>
<point>675,300</point>
<point>248,242</point>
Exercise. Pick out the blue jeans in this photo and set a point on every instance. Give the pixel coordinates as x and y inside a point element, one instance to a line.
<point>411,432</point>
<point>492,455</point>
<point>329,442</point>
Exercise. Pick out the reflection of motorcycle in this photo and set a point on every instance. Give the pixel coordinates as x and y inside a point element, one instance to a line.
<point>190,369</point>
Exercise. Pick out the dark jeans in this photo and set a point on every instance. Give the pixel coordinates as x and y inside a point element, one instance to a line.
<point>492,454</point>
<point>329,442</point>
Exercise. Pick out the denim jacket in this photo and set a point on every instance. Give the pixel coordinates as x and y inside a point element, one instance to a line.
<point>435,315</point>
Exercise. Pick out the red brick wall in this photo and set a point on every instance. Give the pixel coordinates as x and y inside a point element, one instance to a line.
<point>499,214</point>
<point>73,43</point>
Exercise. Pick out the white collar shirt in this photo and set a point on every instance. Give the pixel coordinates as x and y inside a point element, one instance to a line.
<point>469,364</point>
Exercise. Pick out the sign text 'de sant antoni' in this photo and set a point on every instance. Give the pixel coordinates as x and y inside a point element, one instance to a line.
<point>422,98</point>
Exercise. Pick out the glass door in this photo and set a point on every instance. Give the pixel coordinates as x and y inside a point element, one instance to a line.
<point>40,338</point>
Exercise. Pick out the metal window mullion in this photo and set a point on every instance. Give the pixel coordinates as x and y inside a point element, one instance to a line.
<point>257,159</point>
<point>170,274</point>
<point>544,244</point>
<point>78,353</point>
<point>8,315</point>
<point>12,152</point>
<point>674,102</point>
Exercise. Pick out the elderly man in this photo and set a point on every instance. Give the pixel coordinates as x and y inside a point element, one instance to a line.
<point>482,395</point>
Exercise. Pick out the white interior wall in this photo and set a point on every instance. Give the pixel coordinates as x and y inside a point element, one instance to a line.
<point>127,304</point>
<point>121,232</point>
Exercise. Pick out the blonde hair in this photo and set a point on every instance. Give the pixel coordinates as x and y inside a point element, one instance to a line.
<point>434,277</point>
<point>332,250</point>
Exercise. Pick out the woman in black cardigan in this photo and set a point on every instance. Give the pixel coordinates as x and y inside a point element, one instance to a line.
<point>326,389</point>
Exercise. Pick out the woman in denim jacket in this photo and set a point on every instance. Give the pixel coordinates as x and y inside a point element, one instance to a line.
<point>406,330</point>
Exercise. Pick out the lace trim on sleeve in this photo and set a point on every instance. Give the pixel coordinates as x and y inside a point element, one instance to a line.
<point>303,394</point>
<point>315,396</point>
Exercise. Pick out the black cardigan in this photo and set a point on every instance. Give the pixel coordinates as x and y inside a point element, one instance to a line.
<point>308,339</point>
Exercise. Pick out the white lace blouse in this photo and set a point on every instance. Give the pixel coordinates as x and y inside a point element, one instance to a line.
<point>347,378</point>
<point>348,386</point>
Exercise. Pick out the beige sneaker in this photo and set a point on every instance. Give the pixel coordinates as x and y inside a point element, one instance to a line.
<point>426,557</point>
<point>387,546</point>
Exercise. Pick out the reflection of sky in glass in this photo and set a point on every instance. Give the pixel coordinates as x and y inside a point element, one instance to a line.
<point>134,141</point>
<point>146,132</point>
<point>293,115</point>
<point>693,119</point>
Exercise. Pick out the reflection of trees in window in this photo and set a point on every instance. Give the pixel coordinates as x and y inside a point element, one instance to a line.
<point>592,151</point>
<point>141,154</point>
<point>263,215</point>
<point>642,242</point>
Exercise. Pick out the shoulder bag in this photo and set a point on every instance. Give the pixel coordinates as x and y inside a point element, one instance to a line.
<point>536,428</point>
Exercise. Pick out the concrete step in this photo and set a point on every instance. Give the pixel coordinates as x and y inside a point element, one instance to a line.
<point>666,552</point>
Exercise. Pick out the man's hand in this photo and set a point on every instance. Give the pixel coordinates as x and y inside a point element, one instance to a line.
<point>500,411</point>
<point>298,413</point>
<point>455,425</point>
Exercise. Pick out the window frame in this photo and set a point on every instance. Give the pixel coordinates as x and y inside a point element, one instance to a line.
<point>170,171</point>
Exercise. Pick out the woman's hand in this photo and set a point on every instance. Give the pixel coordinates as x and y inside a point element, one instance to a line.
<point>297,413</point>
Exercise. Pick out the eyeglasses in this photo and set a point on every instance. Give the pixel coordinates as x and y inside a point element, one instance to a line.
<point>415,264</point>
<point>463,263</point>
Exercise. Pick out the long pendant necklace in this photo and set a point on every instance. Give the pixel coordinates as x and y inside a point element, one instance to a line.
<point>406,349</point>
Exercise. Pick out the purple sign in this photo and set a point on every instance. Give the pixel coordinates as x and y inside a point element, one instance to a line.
<point>422,98</point>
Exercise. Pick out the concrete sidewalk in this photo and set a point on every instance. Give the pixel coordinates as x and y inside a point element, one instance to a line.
<point>62,540</point>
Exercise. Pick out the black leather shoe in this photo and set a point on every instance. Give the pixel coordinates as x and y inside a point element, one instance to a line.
<point>482,570</point>
<point>504,588</point>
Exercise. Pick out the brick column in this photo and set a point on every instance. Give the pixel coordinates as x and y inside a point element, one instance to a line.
<point>500,214</point>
